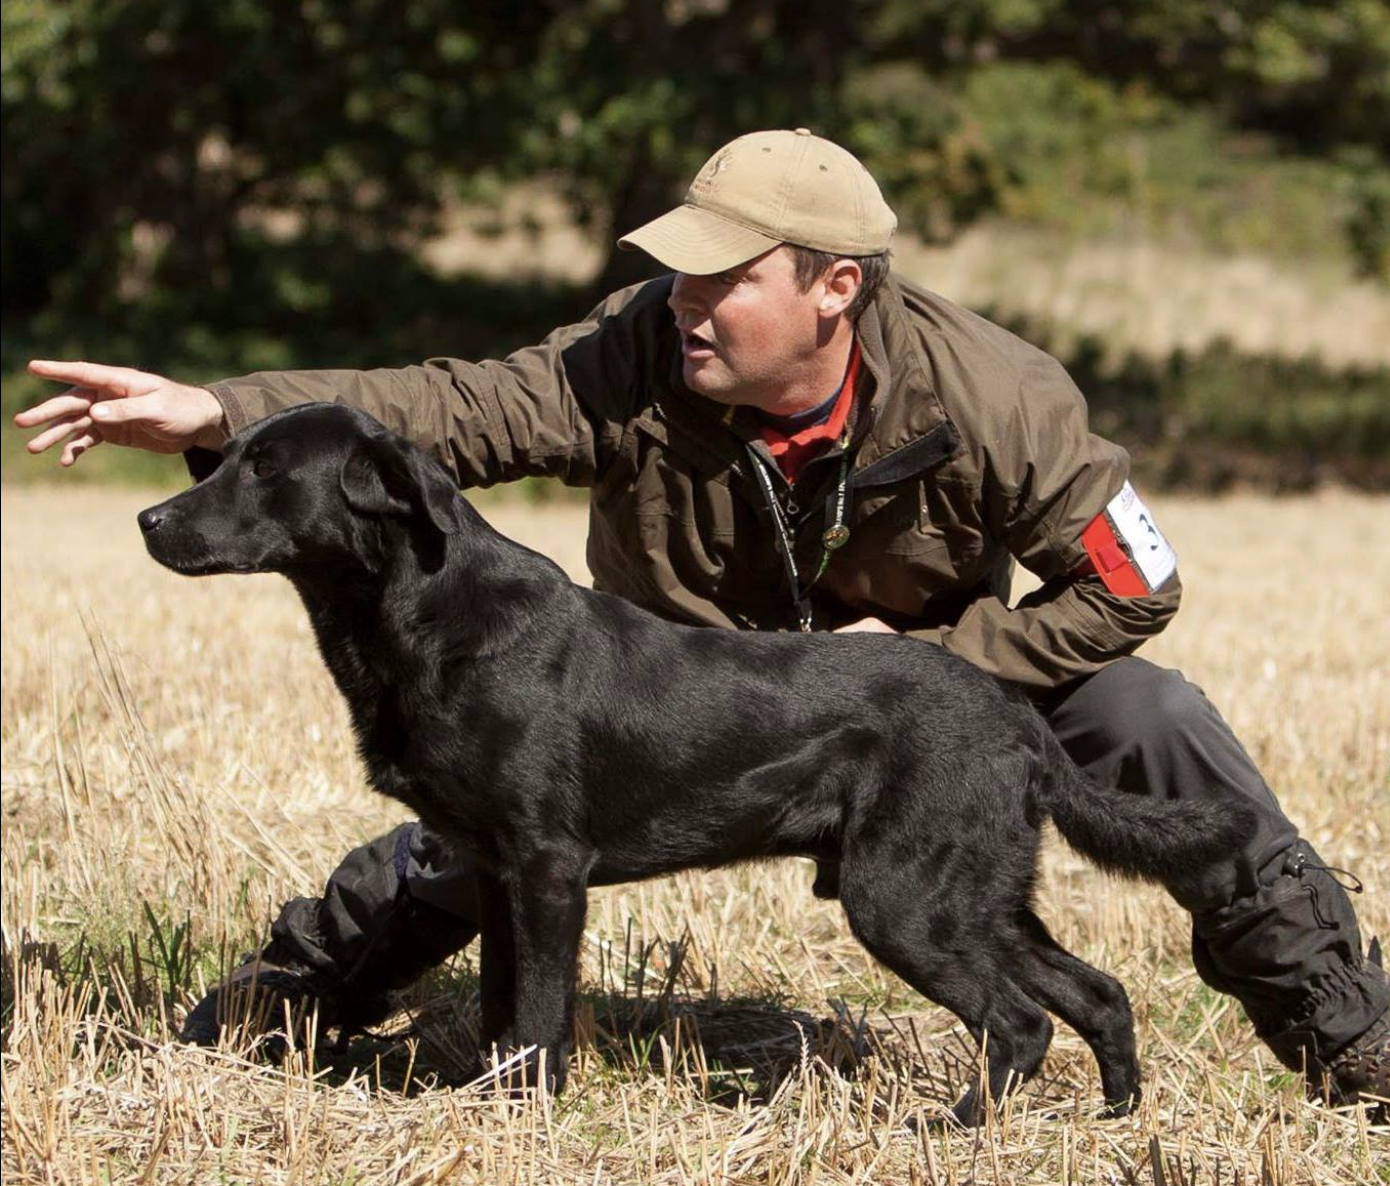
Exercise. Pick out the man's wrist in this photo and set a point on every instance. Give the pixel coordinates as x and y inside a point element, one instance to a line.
<point>216,432</point>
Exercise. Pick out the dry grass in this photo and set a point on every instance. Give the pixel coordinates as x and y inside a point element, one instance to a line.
<point>176,763</point>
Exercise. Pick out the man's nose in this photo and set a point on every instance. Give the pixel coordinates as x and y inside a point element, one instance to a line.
<point>684,296</point>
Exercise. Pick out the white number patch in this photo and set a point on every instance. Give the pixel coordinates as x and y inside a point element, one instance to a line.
<point>1134,526</point>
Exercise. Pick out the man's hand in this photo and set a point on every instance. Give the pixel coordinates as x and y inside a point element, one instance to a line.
<point>122,406</point>
<point>866,626</point>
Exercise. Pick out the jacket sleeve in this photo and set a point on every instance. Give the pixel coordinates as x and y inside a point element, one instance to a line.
<point>1044,477</point>
<point>552,410</point>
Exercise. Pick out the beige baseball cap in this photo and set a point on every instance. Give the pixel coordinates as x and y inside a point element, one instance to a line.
<point>764,189</point>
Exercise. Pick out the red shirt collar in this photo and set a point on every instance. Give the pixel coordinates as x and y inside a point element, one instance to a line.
<point>792,451</point>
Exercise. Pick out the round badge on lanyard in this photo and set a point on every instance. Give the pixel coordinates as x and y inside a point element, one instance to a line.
<point>835,536</point>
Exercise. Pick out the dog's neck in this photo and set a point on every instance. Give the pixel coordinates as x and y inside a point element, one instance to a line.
<point>401,675</point>
<point>373,622</point>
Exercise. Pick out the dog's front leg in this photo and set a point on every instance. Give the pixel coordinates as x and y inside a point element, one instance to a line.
<point>497,979</point>
<point>549,897</point>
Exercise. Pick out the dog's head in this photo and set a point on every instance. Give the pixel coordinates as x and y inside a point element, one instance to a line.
<point>311,488</point>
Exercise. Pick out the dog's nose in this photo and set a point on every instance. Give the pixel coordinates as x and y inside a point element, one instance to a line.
<point>150,520</point>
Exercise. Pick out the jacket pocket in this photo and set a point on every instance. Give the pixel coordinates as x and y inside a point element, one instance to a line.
<point>692,489</point>
<point>920,516</point>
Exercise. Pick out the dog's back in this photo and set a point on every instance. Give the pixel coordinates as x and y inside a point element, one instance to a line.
<point>666,746</point>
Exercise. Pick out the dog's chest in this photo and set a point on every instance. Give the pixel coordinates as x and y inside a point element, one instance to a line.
<point>401,761</point>
<point>426,761</point>
<point>419,737</point>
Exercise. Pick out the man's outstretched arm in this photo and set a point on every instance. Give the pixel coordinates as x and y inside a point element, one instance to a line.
<point>120,406</point>
<point>552,410</point>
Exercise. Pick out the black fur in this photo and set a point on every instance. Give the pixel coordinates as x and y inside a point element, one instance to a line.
<point>566,738</point>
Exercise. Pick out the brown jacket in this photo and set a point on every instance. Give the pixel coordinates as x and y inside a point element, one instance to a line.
<point>969,449</point>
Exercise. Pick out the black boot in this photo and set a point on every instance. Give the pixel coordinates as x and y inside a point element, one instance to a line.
<point>1360,1072</point>
<point>259,996</point>
<point>392,909</point>
<point>1291,954</point>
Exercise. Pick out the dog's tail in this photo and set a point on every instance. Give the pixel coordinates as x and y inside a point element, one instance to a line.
<point>1136,835</point>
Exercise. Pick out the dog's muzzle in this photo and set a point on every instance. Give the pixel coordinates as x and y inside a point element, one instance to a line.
<point>169,540</point>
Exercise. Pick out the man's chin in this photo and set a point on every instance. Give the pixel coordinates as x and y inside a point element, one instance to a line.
<point>702,379</point>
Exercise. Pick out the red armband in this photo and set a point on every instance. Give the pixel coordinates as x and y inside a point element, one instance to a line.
<point>1125,548</point>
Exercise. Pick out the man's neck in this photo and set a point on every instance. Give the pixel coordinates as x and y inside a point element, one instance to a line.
<point>820,377</point>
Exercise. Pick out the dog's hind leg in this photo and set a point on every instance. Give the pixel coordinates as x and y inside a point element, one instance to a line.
<point>1013,1041</point>
<point>1093,1004</point>
<point>915,928</point>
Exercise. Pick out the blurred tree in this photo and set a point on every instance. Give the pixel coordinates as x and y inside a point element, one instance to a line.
<point>156,144</point>
<point>142,138</point>
<point>1312,71</point>
<point>1368,220</point>
<point>628,97</point>
<point>163,154</point>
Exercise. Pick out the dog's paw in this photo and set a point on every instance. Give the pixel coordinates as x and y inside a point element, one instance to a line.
<point>519,1072</point>
<point>969,1111</point>
<point>1116,1109</point>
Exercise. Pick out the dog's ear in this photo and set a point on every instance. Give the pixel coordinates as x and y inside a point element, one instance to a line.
<point>384,478</point>
<point>435,489</point>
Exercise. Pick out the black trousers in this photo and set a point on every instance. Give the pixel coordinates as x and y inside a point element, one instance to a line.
<point>1270,926</point>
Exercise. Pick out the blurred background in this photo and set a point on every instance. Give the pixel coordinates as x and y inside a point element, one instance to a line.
<point>1187,201</point>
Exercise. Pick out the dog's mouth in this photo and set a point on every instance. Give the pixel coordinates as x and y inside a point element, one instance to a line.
<point>191,562</point>
<point>204,566</point>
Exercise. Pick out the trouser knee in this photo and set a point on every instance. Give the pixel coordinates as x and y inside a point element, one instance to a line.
<point>1146,730</point>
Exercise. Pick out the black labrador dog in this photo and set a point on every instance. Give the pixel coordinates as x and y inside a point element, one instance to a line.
<point>564,737</point>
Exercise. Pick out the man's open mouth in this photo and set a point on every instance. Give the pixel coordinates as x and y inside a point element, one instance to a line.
<point>694,345</point>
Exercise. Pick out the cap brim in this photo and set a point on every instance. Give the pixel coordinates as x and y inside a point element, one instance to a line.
<point>697,242</point>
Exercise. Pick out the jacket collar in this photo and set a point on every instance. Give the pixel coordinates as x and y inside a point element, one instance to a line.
<point>905,409</point>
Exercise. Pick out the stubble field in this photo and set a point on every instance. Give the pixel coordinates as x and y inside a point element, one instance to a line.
<point>176,763</point>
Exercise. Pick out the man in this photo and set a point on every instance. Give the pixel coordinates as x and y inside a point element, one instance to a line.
<point>782,435</point>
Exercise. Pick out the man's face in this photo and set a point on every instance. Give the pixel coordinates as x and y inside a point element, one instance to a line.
<point>749,333</point>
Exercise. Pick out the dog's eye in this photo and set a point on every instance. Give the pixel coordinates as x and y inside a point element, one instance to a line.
<point>263,467</point>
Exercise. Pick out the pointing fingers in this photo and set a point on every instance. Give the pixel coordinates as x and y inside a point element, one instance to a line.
<point>109,380</point>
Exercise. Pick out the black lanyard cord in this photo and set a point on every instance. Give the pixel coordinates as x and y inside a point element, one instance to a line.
<point>834,536</point>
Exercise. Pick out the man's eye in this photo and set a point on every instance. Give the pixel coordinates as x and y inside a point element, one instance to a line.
<point>263,468</point>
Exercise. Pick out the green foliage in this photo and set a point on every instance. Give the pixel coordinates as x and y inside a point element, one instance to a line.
<point>218,188</point>
<point>1366,183</point>
<point>1094,159</point>
<point>134,968</point>
<point>171,951</point>
<point>173,147</point>
<point>1316,72</point>
<point>922,144</point>
<point>142,138</point>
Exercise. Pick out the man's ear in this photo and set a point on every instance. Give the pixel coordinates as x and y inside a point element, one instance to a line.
<point>842,282</point>
<point>387,477</point>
